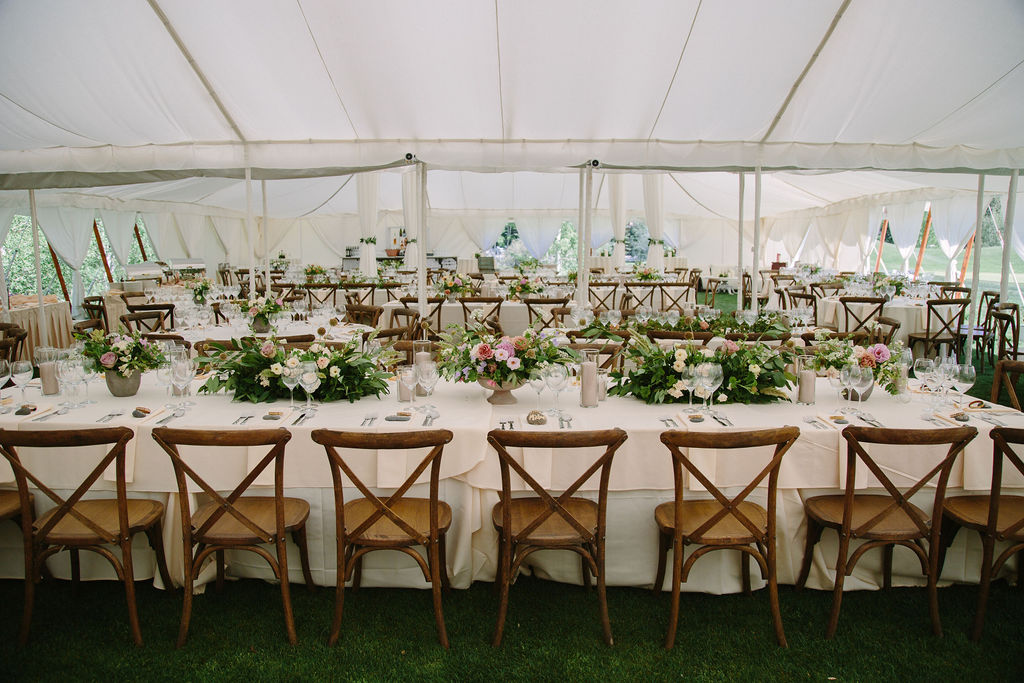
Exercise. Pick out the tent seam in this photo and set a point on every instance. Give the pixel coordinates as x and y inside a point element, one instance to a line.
<point>679,62</point>
<point>330,76</point>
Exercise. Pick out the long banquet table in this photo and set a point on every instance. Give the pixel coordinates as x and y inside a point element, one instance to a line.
<point>641,479</point>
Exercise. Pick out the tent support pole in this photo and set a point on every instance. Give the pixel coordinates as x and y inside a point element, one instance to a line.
<point>755,273</point>
<point>1011,206</point>
<point>881,244</point>
<point>266,238</point>
<point>421,253</point>
<point>967,259</point>
<point>579,240</point>
<point>250,230</point>
<point>138,238</point>
<point>103,252</point>
<point>979,216</point>
<point>40,316</point>
<point>924,242</point>
<point>739,241</point>
<point>583,271</point>
<point>1002,237</point>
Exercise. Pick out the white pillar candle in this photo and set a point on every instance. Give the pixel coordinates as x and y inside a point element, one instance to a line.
<point>48,378</point>
<point>805,395</point>
<point>588,384</point>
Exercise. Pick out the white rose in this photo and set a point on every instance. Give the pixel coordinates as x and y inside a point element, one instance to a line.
<point>322,362</point>
<point>679,366</point>
<point>755,370</point>
<point>679,385</point>
<point>277,368</point>
<point>335,371</point>
<point>292,362</point>
<point>680,355</point>
<point>722,398</point>
<point>675,393</point>
<point>315,348</point>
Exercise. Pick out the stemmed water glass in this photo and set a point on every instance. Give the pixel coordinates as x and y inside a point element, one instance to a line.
<point>90,369</point>
<point>183,371</point>
<point>689,377</point>
<point>290,379</point>
<point>5,374</point>
<point>556,377</point>
<point>847,376</point>
<point>862,381</point>
<point>710,377</point>
<point>537,383</point>
<point>165,379</point>
<point>924,368</point>
<point>407,376</point>
<point>963,379</point>
<point>643,313</point>
<point>21,373</point>
<point>309,380</point>
<point>426,375</point>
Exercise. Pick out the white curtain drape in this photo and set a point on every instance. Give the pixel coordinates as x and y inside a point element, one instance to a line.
<point>334,231</point>
<point>231,232</point>
<point>163,233</point>
<point>120,229</point>
<point>191,228</point>
<point>411,212</point>
<point>905,227</point>
<point>618,213</point>
<point>6,216</point>
<point>69,232</point>
<point>367,188</point>
<point>654,212</point>
<point>952,224</point>
<point>538,234</point>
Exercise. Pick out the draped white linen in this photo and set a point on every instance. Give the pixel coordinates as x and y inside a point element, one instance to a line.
<point>120,229</point>
<point>411,211</point>
<point>277,230</point>
<point>618,211</point>
<point>855,240</point>
<point>69,232</point>
<point>334,231</point>
<point>191,228</point>
<point>163,233</point>
<point>952,224</point>
<point>367,188</point>
<point>905,227</point>
<point>231,232</point>
<point>6,218</point>
<point>654,212</point>
<point>538,234</point>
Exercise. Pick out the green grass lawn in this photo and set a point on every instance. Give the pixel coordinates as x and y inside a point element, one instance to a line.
<point>934,265</point>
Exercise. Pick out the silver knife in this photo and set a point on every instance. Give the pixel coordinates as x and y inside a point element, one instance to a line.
<point>720,421</point>
<point>298,420</point>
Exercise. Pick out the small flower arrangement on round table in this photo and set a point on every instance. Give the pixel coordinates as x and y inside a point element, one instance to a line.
<point>201,289</point>
<point>524,286</point>
<point>122,357</point>
<point>452,285</point>
<point>261,310</point>
<point>648,274</point>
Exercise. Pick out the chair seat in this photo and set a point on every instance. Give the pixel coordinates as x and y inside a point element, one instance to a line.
<point>554,530</point>
<point>103,512</point>
<point>260,509</point>
<point>10,504</point>
<point>924,337</point>
<point>897,525</point>
<point>727,530</point>
<point>972,512</point>
<point>415,511</point>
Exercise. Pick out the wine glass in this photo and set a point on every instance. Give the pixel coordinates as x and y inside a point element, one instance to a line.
<point>711,379</point>
<point>426,375</point>
<point>407,376</point>
<point>290,380</point>
<point>643,314</point>
<point>164,379</point>
<point>835,381</point>
<point>183,371</point>
<point>537,383</point>
<point>689,377</point>
<point>963,379</point>
<point>847,375</point>
<point>5,374</point>
<point>614,316</point>
<point>556,377</point>
<point>90,370</point>
<point>862,381</point>
<point>21,373</point>
<point>309,380</point>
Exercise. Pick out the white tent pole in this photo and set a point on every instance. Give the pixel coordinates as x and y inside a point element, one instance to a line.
<point>40,315</point>
<point>583,271</point>
<point>976,253</point>
<point>755,271</point>
<point>580,294</point>
<point>266,238</point>
<point>421,253</point>
<point>1011,205</point>
<point>739,247</point>
<point>250,230</point>
<point>1016,282</point>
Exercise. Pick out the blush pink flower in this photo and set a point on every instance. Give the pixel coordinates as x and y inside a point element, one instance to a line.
<point>268,350</point>
<point>880,352</point>
<point>109,359</point>
<point>730,346</point>
<point>482,351</point>
<point>322,362</point>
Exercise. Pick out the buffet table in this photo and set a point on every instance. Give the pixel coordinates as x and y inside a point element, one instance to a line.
<point>641,479</point>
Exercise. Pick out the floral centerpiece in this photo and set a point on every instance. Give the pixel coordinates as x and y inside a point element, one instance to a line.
<point>452,285</point>
<point>200,289</point>
<point>648,274</point>
<point>830,355</point>
<point>524,286</point>
<point>253,372</point>
<point>261,310</point>
<point>280,262</point>
<point>314,272</point>
<point>880,283</point>
<point>473,354</point>
<point>122,357</point>
<point>750,374</point>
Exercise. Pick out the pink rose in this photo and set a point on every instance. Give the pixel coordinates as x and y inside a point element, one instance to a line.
<point>867,361</point>
<point>252,312</point>
<point>268,350</point>
<point>730,346</point>
<point>322,362</point>
<point>880,352</point>
<point>482,351</point>
<point>109,359</point>
<point>280,302</point>
<point>704,324</point>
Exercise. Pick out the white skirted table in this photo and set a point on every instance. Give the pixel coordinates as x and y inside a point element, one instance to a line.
<point>56,317</point>
<point>641,479</point>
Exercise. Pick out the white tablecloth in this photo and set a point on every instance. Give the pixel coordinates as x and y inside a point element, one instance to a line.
<point>514,317</point>
<point>57,318</point>
<point>911,313</point>
<point>641,479</point>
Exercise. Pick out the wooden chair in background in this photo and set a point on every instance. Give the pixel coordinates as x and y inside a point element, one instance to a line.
<point>363,315</point>
<point>145,321</point>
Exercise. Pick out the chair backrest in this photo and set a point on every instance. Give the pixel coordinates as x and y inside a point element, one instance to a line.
<point>783,298</point>
<point>390,290</point>
<point>886,331</point>
<point>1007,372</point>
<point>205,347</point>
<point>185,468</point>
<point>165,308</point>
<point>1006,318</point>
<point>988,303</point>
<point>710,290</point>
<point>144,321</point>
<point>823,289</point>
<point>95,307</point>
<point>940,465</point>
<point>640,293</point>
<point>83,326</point>
<point>434,439</point>
<point>675,295</point>
<point>602,295</point>
<point>540,308</point>
<point>1003,440</point>
<point>13,342</point>
<point>406,347</point>
<point>798,299</point>
<point>322,293</point>
<point>176,338</point>
<point>945,317</point>
<point>407,319</point>
<point>954,292</point>
<point>502,440</point>
<point>432,320</point>
<point>363,315</point>
<point>672,336</point>
<point>782,438</point>
<point>358,292</point>
<point>487,307</point>
<point>858,311</point>
<point>114,437</point>
<point>609,353</point>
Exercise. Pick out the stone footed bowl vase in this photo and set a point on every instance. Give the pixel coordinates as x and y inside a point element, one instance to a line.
<point>501,394</point>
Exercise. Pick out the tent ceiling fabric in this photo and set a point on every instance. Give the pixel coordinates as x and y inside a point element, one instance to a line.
<point>103,87</point>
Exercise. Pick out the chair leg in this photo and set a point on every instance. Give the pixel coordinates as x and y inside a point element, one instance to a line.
<point>946,537</point>
<point>357,573</point>
<point>773,596</point>
<point>887,566</point>
<point>813,536</point>
<point>837,592</point>
<point>664,545</point>
<point>286,593</point>
<point>339,593</point>
<point>435,589</point>
<point>156,542</point>
<point>443,557</point>
<point>677,577</point>
<point>186,608</point>
<point>30,594</point>
<point>987,543</point>
<point>129,589</point>
<point>220,570</point>
<point>76,569</point>
<point>501,563</point>
<point>933,590</point>
<point>1020,570</point>
<point>504,571</point>
<point>584,570</point>
<point>745,571</point>
<point>299,536</point>
<point>602,597</point>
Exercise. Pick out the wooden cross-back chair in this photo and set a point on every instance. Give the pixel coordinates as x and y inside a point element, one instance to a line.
<point>798,299</point>
<point>145,321</point>
<point>13,340</point>
<point>885,520</point>
<point>725,523</point>
<point>638,294</point>
<point>602,295</point>
<point>694,279</point>
<point>1007,373</point>
<point>431,322</point>
<point>945,317</point>
<point>984,334</point>
<point>237,521</point>
<point>955,292</point>
<point>406,348</point>
<point>746,287</point>
<point>542,309</point>
<point>138,305</point>
<point>1006,322</point>
<point>544,522</point>
<point>885,332</point>
<point>486,309</point>
<point>609,353</point>
<point>710,291</point>
<point>96,307</point>
<point>75,523</point>
<point>323,294</point>
<point>83,326</point>
<point>390,290</point>
<point>826,289</point>
<point>676,296</point>
<point>672,337</point>
<point>395,522</point>
<point>363,315</point>
<point>783,298</point>
<point>859,311</point>
<point>406,319</point>
<point>997,517</point>
<point>358,292</point>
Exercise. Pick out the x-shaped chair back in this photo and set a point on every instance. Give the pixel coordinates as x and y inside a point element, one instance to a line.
<point>363,315</point>
<point>858,311</point>
<point>541,308</point>
<point>1007,372</point>
<point>782,438</point>
<point>609,353</point>
<point>432,318</point>
<point>824,289</point>
<point>169,439</point>
<point>955,292</point>
<point>407,319</point>
<point>602,295</point>
<point>694,279</point>
<point>486,307</point>
<point>390,290</point>
<point>642,293</point>
<point>1003,440</point>
<point>435,439</point>
<point>945,316</point>
<point>956,437</point>
<point>116,437</point>
<point>144,321</point>
<point>675,295</point>
<point>322,293</point>
<point>358,293</point>
<point>501,440</point>
<point>1006,318</point>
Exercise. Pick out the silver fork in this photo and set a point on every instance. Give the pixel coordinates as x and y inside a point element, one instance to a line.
<point>242,419</point>
<point>110,416</point>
